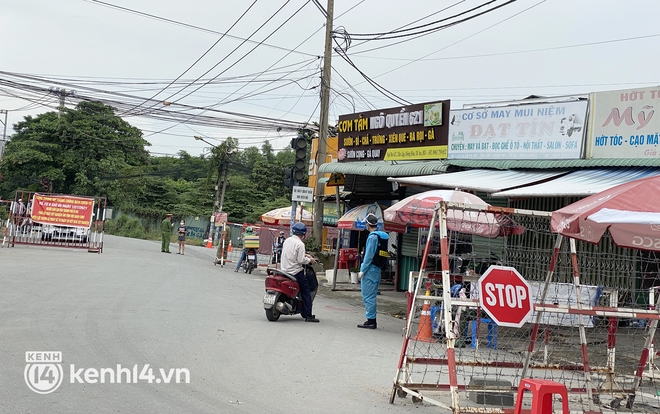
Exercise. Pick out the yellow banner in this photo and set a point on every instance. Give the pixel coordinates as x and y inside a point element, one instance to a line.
<point>331,155</point>
<point>420,153</point>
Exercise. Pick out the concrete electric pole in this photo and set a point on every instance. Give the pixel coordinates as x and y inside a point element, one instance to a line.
<point>323,129</point>
<point>4,133</point>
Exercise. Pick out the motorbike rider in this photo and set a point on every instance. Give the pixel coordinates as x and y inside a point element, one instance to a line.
<point>277,248</point>
<point>248,232</point>
<point>294,257</point>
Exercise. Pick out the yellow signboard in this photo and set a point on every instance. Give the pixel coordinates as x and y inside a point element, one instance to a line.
<point>336,179</point>
<point>331,156</point>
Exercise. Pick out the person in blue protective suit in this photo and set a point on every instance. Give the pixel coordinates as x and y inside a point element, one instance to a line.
<point>375,258</point>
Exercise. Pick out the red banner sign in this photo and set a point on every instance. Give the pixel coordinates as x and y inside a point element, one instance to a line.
<point>62,210</point>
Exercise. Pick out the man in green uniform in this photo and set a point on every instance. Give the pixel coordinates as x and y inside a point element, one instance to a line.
<point>166,231</point>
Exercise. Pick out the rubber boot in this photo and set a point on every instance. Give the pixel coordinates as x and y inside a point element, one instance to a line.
<point>369,324</point>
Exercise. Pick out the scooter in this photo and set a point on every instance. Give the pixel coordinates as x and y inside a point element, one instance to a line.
<point>250,261</point>
<point>283,295</point>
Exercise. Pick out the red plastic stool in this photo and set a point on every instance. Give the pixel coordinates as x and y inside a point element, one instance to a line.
<point>542,391</point>
<point>348,258</point>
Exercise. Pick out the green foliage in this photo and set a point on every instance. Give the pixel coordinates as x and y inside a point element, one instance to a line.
<point>312,246</point>
<point>91,151</point>
<point>76,151</point>
<point>129,227</point>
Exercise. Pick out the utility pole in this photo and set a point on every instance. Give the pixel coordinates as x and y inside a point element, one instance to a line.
<point>212,232</point>
<point>62,93</point>
<point>222,195</point>
<point>323,132</point>
<point>223,166</point>
<point>4,134</point>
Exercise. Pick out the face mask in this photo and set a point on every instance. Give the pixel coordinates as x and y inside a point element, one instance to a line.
<point>182,223</point>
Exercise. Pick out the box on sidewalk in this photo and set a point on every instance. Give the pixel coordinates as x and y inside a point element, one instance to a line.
<point>491,392</point>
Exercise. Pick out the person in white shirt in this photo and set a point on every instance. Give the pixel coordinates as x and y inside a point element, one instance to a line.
<point>294,257</point>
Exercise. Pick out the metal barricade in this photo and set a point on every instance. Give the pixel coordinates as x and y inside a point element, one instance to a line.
<point>21,228</point>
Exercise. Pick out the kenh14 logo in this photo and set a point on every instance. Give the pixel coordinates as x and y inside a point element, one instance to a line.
<point>43,371</point>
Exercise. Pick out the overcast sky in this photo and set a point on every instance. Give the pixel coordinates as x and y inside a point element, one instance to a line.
<point>551,47</point>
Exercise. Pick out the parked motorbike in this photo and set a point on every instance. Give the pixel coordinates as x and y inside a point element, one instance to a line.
<point>283,295</point>
<point>250,262</point>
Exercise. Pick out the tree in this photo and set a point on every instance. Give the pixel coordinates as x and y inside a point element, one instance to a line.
<point>77,150</point>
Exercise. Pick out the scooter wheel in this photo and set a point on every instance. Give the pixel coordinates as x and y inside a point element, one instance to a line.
<point>250,269</point>
<point>272,314</point>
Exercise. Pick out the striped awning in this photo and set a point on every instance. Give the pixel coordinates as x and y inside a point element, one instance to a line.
<point>488,181</point>
<point>385,168</point>
<point>580,183</point>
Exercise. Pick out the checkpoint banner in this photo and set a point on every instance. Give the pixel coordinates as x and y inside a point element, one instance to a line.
<point>62,210</point>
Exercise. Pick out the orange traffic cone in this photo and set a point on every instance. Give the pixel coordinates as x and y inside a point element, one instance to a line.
<point>424,329</point>
<point>209,243</point>
<point>229,247</point>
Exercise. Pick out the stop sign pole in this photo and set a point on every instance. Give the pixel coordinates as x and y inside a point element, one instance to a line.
<point>505,295</point>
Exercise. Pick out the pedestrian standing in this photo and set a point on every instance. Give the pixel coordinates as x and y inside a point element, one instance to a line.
<point>375,258</point>
<point>181,231</point>
<point>277,248</point>
<point>166,230</point>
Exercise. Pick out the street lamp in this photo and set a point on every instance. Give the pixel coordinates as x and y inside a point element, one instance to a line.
<point>198,138</point>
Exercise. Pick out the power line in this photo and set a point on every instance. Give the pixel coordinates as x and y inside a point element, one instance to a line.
<point>230,53</point>
<point>425,33</point>
<point>247,122</point>
<point>190,26</point>
<point>461,40</point>
<point>196,61</point>
<point>354,54</point>
<point>250,51</point>
<point>398,32</point>
<point>390,95</point>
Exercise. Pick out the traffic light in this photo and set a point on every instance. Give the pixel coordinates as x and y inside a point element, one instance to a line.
<point>299,145</point>
<point>288,178</point>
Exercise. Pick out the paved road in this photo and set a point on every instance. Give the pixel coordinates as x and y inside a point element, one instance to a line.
<point>133,305</point>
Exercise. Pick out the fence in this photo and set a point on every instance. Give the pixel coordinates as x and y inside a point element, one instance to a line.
<point>22,229</point>
<point>593,327</point>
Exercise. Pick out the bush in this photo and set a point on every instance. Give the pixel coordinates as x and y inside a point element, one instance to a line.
<point>312,246</point>
<point>129,227</point>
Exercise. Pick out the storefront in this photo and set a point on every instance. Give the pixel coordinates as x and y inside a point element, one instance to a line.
<point>538,154</point>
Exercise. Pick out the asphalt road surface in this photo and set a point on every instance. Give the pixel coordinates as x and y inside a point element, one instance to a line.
<point>106,316</point>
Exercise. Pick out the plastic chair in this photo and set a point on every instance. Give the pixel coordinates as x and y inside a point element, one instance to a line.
<point>542,392</point>
<point>348,258</point>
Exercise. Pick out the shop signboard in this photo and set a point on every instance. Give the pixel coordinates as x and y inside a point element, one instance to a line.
<point>414,132</point>
<point>623,124</point>
<point>519,132</point>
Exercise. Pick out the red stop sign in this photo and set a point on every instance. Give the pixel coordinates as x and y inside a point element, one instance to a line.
<point>505,296</point>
